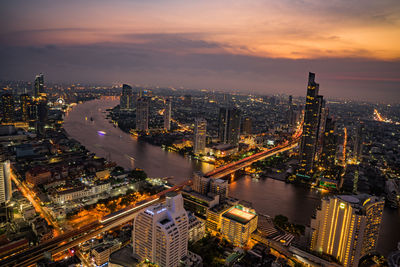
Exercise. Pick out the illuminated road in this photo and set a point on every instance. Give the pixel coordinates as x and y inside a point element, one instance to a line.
<point>232,167</point>
<point>31,196</point>
<point>379,117</point>
<point>237,165</point>
<point>73,238</point>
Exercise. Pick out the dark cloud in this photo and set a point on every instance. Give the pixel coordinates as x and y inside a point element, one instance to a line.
<point>156,62</point>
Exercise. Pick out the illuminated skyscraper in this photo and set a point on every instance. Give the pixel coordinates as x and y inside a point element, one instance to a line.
<point>25,102</point>
<point>324,112</point>
<point>329,145</point>
<point>160,232</point>
<point>347,227</point>
<point>142,114</point>
<point>8,108</point>
<point>39,85</point>
<point>127,98</point>
<point>167,115</point>
<point>229,125</point>
<point>311,125</point>
<point>5,182</point>
<point>200,133</point>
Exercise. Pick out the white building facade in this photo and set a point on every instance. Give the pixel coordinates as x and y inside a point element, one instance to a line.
<point>160,232</point>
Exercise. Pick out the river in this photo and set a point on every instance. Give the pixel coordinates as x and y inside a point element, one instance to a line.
<point>268,196</point>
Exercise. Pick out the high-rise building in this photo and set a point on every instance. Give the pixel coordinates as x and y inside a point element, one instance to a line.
<point>5,182</point>
<point>167,115</point>
<point>142,114</point>
<point>219,187</point>
<point>160,232</point>
<point>290,101</point>
<point>42,109</point>
<point>201,184</point>
<point>200,134</point>
<point>311,125</point>
<point>247,126</point>
<point>238,223</point>
<point>39,85</point>
<point>293,116</point>
<point>127,98</point>
<point>8,108</point>
<point>205,185</point>
<point>329,146</point>
<point>324,112</point>
<point>25,102</point>
<point>347,227</point>
<point>229,125</point>
<point>33,110</point>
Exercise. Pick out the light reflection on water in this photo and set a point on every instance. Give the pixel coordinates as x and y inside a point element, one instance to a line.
<point>268,196</point>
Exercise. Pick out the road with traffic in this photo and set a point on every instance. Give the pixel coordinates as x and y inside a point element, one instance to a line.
<point>237,165</point>
<point>73,238</point>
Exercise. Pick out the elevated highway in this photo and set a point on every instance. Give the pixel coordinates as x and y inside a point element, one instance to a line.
<point>237,165</point>
<point>73,238</point>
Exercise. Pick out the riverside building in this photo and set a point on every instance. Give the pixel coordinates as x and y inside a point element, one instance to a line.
<point>347,227</point>
<point>160,232</point>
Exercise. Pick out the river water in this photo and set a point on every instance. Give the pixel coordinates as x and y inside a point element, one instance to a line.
<point>268,196</point>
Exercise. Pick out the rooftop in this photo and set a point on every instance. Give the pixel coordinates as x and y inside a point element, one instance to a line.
<point>239,215</point>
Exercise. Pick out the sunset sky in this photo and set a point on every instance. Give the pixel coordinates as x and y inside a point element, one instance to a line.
<point>243,45</point>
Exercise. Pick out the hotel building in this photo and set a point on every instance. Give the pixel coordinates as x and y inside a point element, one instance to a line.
<point>237,224</point>
<point>347,227</point>
<point>160,232</point>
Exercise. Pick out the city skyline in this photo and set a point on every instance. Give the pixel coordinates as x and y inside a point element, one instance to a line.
<point>226,46</point>
<point>187,133</point>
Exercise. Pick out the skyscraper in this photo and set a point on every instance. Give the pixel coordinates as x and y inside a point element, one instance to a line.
<point>142,114</point>
<point>293,116</point>
<point>5,182</point>
<point>25,101</point>
<point>324,112</point>
<point>329,146</point>
<point>160,232</point>
<point>229,125</point>
<point>42,109</point>
<point>8,108</point>
<point>312,115</point>
<point>39,85</point>
<point>167,115</point>
<point>200,134</point>
<point>247,126</point>
<point>127,98</point>
<point>347,227</point>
